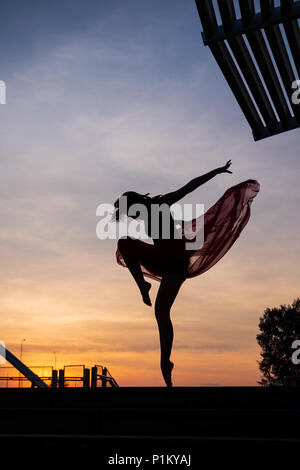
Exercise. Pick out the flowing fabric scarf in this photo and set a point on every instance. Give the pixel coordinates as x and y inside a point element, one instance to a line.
<point>222,224</point>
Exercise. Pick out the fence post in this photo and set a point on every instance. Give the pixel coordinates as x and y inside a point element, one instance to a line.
<point>104,381</point>
<point>54,379</point>
<point>86,378</point>
<point>94,377</point>
<point>61,378</point>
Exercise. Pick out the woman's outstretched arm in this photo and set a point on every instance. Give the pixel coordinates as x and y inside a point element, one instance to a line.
<point>171,198</point>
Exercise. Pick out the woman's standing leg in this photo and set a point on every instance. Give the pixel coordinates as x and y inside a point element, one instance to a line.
<point>167,292</point>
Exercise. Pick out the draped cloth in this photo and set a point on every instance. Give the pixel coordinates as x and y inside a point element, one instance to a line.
<point>222,224</point>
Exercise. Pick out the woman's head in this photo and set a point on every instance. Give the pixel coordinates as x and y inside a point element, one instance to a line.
<point>130,198</point>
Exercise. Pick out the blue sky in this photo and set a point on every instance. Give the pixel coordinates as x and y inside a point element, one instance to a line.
<point>104,97</point>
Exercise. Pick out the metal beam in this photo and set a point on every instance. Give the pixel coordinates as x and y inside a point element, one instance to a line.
<point>247,11</point>
<point>227,12</point>
<point>267,7</point>
<point>292,32</point>
<point>234,80</point>
<point>253,80</point>
<point>24,370</point>
<point>267,69</point>
<point>286,5</point>
<point>244,59</point>
<point>283,63</point>
<point>293,124</point>
<point>207,16</point>
<point>257,22</point>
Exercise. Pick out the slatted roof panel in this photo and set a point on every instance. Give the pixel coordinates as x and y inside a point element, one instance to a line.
<point>260,78</point>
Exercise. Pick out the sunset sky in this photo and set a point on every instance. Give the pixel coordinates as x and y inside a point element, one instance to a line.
<point>109,96</point>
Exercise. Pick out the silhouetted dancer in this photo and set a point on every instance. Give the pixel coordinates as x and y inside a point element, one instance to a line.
<point>168,260</point>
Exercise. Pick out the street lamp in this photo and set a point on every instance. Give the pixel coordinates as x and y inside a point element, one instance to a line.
<point>21,354</point>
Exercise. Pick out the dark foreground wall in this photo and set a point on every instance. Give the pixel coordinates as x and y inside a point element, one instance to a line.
<point>132,421</point>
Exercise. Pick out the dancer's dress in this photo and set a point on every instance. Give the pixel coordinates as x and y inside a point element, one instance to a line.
<point>222,223</point>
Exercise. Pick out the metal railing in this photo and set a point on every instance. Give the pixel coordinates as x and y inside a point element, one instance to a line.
<point>102,375</point>
<point>71,375</point>
<point>9,379</point>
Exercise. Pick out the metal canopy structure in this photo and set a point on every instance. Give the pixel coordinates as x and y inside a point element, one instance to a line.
<point>261,78</point>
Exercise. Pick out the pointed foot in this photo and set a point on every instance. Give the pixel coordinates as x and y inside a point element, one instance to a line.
<point>166,369</point>
<point>145,293</point>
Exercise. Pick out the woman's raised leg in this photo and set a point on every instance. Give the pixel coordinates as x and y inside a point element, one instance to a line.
<point>130,250</point>
<point>167,292</point>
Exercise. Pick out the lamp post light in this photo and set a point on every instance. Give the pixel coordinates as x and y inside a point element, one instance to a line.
<point>21,354</point>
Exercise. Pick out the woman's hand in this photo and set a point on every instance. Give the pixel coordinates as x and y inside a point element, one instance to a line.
<point>224,169</point>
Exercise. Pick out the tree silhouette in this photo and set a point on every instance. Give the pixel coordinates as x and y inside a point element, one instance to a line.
<point>279,328</point>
